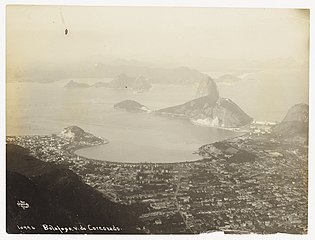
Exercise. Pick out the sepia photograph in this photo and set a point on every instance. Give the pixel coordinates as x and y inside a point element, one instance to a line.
<point>156,120</point>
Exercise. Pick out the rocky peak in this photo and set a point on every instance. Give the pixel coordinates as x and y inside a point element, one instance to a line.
<point>298,113</point>
<point>295,123</point>
<point>121,81</point>
<point>72,132</point>
<point>207,87</point>
<point>141,84</point>
<point>77,134</point>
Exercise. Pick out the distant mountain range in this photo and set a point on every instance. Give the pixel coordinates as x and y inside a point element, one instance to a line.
<point>165,71</point>
<point>57,196</point>
<point>121,81</point>
<point>180,75</point>
<point>91,69</point>
<point>141,84</point>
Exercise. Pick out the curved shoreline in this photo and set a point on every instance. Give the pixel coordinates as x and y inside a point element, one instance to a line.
<point>105,141</point>
<point>162,163</point>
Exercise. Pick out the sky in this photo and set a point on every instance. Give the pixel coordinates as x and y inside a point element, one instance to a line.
<point>36,34</point>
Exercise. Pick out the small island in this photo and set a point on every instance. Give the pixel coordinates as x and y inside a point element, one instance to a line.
<point>73,84</point>
<point>100,85</point>
<point>131,106</point>
<point>123,81</point>
<point>228,79</point>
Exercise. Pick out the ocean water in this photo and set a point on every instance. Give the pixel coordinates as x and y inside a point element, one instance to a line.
<point>41,109</point>
<point>37,108</point>
<point>267,95</point>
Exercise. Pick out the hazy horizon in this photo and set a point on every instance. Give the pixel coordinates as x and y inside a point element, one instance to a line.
<point>173,36</point>
<point>268,49</point>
